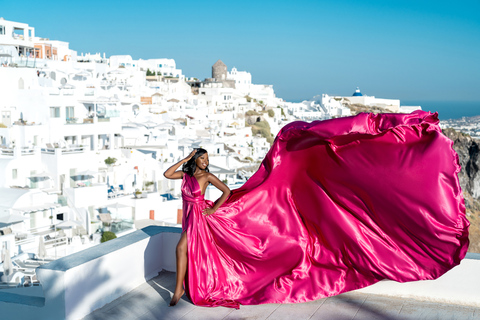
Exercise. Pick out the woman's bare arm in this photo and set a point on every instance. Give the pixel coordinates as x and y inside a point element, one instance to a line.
<point>222,187</point>
<point>172,173</point>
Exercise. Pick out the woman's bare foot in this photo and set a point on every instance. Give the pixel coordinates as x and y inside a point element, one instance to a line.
<point>176,298</point>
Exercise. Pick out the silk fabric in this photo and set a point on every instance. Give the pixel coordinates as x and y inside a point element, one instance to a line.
<point>336,205</point>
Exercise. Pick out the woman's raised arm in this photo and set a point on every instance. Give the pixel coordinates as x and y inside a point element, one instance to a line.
<point>172,173</point>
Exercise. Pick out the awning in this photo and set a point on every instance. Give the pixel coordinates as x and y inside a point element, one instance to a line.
<point>12,218</point>
<point>42,176</point>
<point>81,177</point>
<point>36,208</point>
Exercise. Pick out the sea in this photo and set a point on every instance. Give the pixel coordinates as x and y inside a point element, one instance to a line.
<point>447,109</point>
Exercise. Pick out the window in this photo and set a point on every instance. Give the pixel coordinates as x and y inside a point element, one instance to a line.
<point>69,111</point>
<point>54,112</point>
<point>14,173</point>
<point>159,65</point>
<point>2,29</point>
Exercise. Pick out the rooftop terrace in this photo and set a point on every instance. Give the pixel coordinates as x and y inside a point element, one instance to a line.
<point>132,277</point>
<point>150,301</point>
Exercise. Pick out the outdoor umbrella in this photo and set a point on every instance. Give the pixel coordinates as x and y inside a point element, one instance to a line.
<point>117,206</point>
<point>149,124</point>
<point>82,73</point>
<point>68,226</point>
<point>116,71</point>
<point>42,251</point>
<point>7,266</point>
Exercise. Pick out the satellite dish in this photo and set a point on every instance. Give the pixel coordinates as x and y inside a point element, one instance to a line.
<point>63,81</point>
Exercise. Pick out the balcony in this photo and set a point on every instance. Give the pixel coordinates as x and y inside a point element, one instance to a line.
<point>132,277</point>
<point>11,152</point>
<point>60,151</point>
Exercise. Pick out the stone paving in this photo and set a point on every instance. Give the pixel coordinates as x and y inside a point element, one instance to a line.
<point>150,301</point>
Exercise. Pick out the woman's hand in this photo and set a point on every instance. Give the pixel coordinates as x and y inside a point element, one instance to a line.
<point>190,156</point>
<point>208,211</point>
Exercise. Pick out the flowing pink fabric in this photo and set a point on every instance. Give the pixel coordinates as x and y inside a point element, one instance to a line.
<point>336,205</point>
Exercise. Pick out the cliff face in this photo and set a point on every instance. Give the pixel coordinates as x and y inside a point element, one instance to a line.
<point>469,156</point>
<point>468,151</point>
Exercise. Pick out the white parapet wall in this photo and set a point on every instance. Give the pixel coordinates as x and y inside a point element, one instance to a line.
<point>78,284</point>
<point>460,285</point>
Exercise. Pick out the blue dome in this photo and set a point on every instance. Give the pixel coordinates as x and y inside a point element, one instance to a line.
<point>357,93</point>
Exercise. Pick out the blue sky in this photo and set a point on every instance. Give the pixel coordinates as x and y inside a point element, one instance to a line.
<point>409,50</point>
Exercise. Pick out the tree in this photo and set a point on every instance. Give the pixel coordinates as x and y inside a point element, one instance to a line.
<point>109,161</point>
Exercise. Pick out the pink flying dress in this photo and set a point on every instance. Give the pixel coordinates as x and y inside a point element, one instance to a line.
<point>336,205</point>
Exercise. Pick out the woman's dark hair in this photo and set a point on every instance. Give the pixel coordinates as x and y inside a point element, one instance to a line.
<point>190,166</point>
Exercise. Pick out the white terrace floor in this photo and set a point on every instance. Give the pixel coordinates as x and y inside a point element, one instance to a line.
<point>150,301</point>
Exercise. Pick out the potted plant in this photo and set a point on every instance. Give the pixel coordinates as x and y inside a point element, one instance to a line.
<point>137,194</point>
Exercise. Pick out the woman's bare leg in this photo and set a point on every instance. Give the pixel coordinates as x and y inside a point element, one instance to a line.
<point>182,259</point>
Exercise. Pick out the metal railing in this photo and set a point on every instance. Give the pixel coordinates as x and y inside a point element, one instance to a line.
<point>21,151</point>
<point>69,150</point>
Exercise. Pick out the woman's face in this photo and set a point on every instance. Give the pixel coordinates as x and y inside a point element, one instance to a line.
<point>202,161</point>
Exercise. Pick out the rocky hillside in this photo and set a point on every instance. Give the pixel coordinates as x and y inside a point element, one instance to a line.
<point>468,150</point>
<point>469,156</point>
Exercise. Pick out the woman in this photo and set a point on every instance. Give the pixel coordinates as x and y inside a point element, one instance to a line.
<point>336,205</point>
<point>195,169</point>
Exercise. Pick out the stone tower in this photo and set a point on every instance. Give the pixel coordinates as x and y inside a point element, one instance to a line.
<point>219,71</point>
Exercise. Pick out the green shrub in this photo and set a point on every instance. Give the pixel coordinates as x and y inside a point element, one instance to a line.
<point>271,113</point>
<point>110,161</point>
<point>108,235</point>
